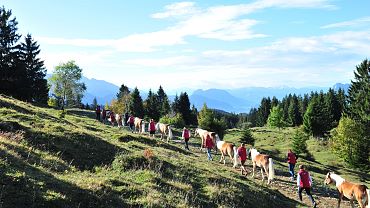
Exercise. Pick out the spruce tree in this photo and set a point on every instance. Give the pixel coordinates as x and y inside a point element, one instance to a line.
<point>94,104</point>
<point>299,145</point>
<point>275,118</point>
<point>35,88</point>
<point>333,107</point>
<point>315,121</point>
<point>164,103</point>
<point>123,91</point>
<point>151,106</point>
<point>264,111</point>
<point>294,114</point>
<point>9,55</point>
<point>184,107</point>
<point>136,104</point>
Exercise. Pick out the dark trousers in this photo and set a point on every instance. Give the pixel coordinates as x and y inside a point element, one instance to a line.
<point>187,144</point>
<point>308,192</point>
<point>98,116</point>
<point>291,169</point>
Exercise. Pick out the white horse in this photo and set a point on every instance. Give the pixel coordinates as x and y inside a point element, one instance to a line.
<point>119,120</point>
<point>227,149</point>
<point>264,162</point>
<point>203,135</point>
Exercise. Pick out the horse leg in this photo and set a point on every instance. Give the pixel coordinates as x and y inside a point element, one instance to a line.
<point>351,203</point>
<point>339,199</point>
<point>221,157</point>
<point>267,172</point>
<point>254,168</point>
<point>263,177</point>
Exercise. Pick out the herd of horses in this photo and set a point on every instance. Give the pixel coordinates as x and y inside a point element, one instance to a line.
<point>346,189</point>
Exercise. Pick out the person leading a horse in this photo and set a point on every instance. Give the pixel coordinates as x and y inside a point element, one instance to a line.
<point>304,182</point>
<point>242,153</point>
<point>97,111</point>
<point>186,136</point>
<point>131,122</point>
<point>292,160</point>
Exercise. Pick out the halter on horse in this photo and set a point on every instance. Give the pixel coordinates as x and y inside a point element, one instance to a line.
<point>227,149</point>
<point>265,163</point>
<point>349,190</point>
<point>165,130</point>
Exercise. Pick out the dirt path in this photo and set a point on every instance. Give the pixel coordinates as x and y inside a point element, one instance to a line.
<point>324,197</point>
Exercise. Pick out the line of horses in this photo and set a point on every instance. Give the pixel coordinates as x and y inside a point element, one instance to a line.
<point>346,189</point>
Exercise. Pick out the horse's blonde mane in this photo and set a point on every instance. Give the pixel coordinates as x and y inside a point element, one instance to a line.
<point>337,179</point>
<point>254,153</point>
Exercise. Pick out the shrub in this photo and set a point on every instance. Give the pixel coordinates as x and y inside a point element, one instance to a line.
<point>177,121</point>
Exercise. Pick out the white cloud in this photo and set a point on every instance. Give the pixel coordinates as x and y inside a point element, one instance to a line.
<point>355,22</point>
<point>217,22</point>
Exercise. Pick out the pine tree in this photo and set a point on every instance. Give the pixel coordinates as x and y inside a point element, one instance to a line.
<point>274,102</point>
<point>333,107</point>
<point>175,105</point>
<point>247,136</point>
<point>359,94</point>
<point>252,117</point>
<point>264,111</point>
<point>184,107</point>
<point>194,116</point>
<point>9,55</point>
<point>136,104</point>
<point>123,91</point>
<point>151,106</point>
<point>95,103</point>
<point>315,121</point>
<point>299,144</point>
<point>304,104</point>
<point>164,103</point>
<point>35,88</point>
<point>205,117</point>
<point>294,115</point>
<point>275,118</point>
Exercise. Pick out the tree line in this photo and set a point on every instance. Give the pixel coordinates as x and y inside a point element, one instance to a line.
<point>22,73</point>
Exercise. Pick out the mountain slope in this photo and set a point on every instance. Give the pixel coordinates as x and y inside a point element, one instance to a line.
<point>48,160</point>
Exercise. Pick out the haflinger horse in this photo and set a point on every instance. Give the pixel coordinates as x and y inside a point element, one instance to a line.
<point>139,125</point>
<point>349,190</point>
<point>165,130</point>
<point>119,120</point>
<point>227,148</point>
<point>265,163</point>
<point>203,135</point>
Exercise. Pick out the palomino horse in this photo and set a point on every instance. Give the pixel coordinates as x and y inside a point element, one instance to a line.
<point>264,162</point>
<point>203,135</point>
<point>164,129</point>
<point>349,190</point>
<point>119,120</point>
<point>139,125</point>
<point>227,149</point>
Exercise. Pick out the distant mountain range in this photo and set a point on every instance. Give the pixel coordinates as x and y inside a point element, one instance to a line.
<point>230,100</point>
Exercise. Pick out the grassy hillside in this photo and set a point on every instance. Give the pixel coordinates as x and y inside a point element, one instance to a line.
<point>76,161</point>
<point>48,161</point>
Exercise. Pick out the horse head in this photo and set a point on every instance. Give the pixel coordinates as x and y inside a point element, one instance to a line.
<point>328,180</point>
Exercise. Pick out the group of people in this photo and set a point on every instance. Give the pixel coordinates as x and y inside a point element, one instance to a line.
<point>304,180</point>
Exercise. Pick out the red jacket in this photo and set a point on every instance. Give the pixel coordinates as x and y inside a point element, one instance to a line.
<point>112,118</point>
<point>304,179</point>
<point>152,126</point>
<point>131,119</point>
<point>209,142</point>
<point>292,158</point>
<point>242,152</point>
<point>186,134</point>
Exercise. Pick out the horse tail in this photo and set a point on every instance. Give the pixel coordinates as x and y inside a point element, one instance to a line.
<point>170,135</point>
<point>142,127</point>
<point>235,156</point>
<point>271,170</point>
<point>368,198</point>
<point>157,127</point>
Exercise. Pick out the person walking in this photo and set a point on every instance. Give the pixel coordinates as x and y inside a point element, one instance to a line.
<point>97,111</point>
<point>242,154</point>
<point>185,137</point>
<point>209,146</point>
<point>151,128</point>
<point>126,119</point>
<point>292,160</point>
<point>104,115</point>
<point>131,121</point>
<point>304,182</point>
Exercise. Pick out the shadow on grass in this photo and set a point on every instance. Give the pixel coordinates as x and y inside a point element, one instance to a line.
<point>82,150</point>
<point>23,185</point>
<point>81,113</point>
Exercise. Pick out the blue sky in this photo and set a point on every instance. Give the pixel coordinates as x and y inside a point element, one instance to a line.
<point>202,44</point>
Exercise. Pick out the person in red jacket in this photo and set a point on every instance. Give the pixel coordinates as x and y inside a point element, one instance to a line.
<point>186,136</point>
<point>292,160</point>
<point>151,128</point>
<point>242,154</point>
<point>97,111</point>
<point>304,182</point>
<point>104,115</point>
<point>209,146</point>
<point>131,122</point>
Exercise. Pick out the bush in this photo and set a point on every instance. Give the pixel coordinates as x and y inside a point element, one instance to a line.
<point>176,121</point>
<point>350,142</point>
<point>52,102</point>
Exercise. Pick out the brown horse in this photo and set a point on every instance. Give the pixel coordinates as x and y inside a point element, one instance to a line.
<point>165,130</point>
<point>203,135</point>
<point>264,162</point>
<point>349,190</point>
<point>227,149</point>
<point>139,125</point>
